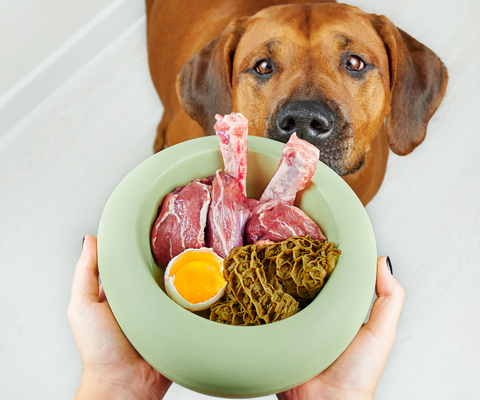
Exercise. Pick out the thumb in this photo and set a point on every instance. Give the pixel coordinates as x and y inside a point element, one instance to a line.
<point>365,358</point>
<point>85,281</point>
<point>388,305</point>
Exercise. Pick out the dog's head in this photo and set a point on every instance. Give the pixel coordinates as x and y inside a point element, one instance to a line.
<point>331,73</point>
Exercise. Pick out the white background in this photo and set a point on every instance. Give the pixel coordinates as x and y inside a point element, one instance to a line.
<point>59,165</point>
<point>30,30</point>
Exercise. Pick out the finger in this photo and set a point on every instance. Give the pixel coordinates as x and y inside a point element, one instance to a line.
<point>388,305</point>
<point>369,350</point>
<point>85,281</point>
<point>101,294</point>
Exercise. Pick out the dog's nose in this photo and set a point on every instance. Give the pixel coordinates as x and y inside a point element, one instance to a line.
<point>311,121</point>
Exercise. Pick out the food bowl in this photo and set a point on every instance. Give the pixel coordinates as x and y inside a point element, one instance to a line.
<point>206,356</point>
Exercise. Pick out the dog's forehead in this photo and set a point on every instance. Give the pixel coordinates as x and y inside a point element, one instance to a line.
<point>308,13</point>
<point>309,24</point>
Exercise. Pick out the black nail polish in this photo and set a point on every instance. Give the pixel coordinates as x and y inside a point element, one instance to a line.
<point>389,265</point>
<point>83,241</point>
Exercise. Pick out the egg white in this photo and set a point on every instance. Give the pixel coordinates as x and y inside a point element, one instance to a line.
<point>172,290</point>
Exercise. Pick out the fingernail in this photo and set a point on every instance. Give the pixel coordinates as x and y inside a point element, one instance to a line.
<point>389,265</point>
<point>83,241</point>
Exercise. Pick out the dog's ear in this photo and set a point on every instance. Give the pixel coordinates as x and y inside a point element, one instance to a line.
<point>204,84</point>
<point>418,80</point>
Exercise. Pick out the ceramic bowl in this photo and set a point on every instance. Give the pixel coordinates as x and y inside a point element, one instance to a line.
<point>209,357</point>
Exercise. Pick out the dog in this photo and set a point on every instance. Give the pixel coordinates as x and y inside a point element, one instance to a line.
<point>351,83</point>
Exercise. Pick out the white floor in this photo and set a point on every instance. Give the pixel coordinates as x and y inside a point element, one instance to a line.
<point>59,166</point>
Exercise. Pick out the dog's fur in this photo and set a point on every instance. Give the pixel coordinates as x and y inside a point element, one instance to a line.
<point>205,51</point>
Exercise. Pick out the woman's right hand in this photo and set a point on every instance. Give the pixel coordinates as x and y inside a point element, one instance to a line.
<point>355,374</point>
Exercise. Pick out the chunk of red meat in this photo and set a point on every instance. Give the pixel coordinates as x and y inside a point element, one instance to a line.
<point>181,222</point>
<point>277,220</point>
<point>229,211</point>
<point>227,215</point>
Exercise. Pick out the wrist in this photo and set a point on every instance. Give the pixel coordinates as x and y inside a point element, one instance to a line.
<point>126,388</point>
<point>95,388</point>
<point>323,396</point>
<point>320,392</point>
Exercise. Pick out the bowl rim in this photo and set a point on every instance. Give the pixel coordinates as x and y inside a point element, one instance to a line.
<point>268,358</point>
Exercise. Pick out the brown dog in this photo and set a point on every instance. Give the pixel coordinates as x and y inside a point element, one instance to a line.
<point>349,82</point>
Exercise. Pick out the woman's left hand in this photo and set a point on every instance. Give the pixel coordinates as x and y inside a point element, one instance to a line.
<point>112,368</point>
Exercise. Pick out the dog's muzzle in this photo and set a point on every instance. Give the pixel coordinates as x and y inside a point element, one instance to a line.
<point>324,126</point>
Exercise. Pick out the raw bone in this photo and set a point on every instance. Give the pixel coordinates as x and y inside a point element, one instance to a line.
<point>227,215</point>
<point>229,212</point>
<point>275,218</point>
<point>232,132</point>
<point>296,168</point>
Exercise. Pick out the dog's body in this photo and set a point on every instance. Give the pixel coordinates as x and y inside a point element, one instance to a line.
<point>329,72</point>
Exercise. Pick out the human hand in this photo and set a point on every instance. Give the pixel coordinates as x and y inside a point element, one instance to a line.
<point>355,374</point>
<point>112,368</point>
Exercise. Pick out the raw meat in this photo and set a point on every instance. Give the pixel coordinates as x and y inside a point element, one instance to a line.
<point>277,220</point>
<point>229,211</point>
<point>296,168</point>
<point>232,133</point>
<point>215,211</point>
<point>182,220</point>
<point>227,216</point>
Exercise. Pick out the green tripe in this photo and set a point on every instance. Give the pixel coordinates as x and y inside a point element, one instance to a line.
<point>267,283</point>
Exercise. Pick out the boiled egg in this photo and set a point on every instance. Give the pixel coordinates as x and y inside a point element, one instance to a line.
<point>194,279</point>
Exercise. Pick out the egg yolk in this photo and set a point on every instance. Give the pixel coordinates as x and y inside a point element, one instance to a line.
<point>198,276</point>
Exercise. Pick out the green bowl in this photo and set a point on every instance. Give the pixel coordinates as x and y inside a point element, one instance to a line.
<point>217,359</point>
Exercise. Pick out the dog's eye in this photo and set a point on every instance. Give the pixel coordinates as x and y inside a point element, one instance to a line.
<point>355,63</point>
<point>263,67</point>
